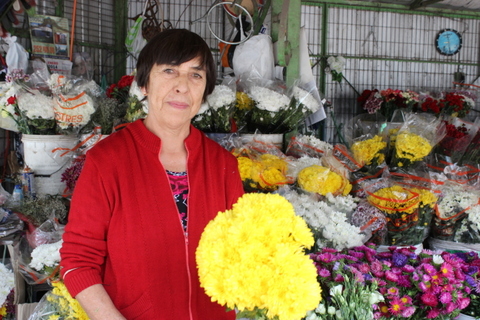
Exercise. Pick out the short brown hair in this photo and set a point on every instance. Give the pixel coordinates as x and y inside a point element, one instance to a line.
<point>176,46</point>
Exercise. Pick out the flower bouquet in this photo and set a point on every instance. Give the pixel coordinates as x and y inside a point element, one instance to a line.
<point>215,115</point>
<point>456,214</point>
<point>455,104</point>
<point>347,294</point>
<point>416,139</point>
<point>259,268</point>
<point>329,218</point>
<point>262,171</point>
<point>266,114</point>
<point>387,101</point>
<point>322,180</point>
<point>428,285</point>
<point>307,146</point>
<point>58,304</point>
<point>408,211</point>
<point>7,284</point>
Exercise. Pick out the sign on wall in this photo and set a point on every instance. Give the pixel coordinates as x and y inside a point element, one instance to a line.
<point>50,36</point>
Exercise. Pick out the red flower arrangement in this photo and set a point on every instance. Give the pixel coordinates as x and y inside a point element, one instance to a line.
<point>119,91</point>
<point>387,101</point>
<point>453,104</point>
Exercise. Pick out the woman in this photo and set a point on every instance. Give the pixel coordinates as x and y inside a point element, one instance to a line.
<point>129,246</point>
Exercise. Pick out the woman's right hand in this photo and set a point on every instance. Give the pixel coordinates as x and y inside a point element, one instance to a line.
<point>97,304</point>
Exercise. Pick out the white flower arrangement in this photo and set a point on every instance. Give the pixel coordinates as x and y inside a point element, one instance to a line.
<point>46,256</point>
<point>316,143</point>
<point>454,201</point>
<point>59,83</point>
<point>268,100</point>
<point>136,92</point>
<point>328,219</point>
<point>35,104</point>
<point>222,96</point>
<point>6,283</point>
<point>73,110</point>
<point>306,99</point>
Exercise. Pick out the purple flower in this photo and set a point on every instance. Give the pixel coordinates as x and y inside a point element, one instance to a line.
<point>399,260</point>
<point>324,273</point>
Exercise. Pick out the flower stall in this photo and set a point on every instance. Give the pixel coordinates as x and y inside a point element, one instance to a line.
<point>380,222</point>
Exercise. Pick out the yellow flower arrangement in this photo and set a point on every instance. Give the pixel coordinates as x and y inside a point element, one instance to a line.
<point>3,311</point>
<point>322,180</point>
<point>395,199</point>
<point>66,306</point>
<point>266,172</point>
<point>251,258</point>
<point>243,102</point>
<point>411,147</point>
<point>369,150</point>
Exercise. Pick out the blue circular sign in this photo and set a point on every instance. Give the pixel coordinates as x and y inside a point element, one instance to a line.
<point>448,42</point>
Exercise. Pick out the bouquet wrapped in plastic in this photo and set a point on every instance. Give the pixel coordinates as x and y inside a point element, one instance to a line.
<point>456,214</point>
<point>216,114</point>
<point>416,139</point>
<point>408,211</point>
<point>58,304</point>
<point>262,167</point>
<point>307,146</point>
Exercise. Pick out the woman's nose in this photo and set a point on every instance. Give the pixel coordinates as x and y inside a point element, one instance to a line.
<point>181,84</point>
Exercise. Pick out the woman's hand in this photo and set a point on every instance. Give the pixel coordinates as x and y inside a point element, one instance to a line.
<point>97,304</point>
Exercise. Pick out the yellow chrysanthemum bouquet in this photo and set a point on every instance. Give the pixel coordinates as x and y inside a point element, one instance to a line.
<point>416,139</point>
<point>58,304</point>
<point>251,259</point>
<point>262,167</point>
<point>408,208</point>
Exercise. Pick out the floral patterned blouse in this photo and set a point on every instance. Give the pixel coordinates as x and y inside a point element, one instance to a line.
<point>179,185</point>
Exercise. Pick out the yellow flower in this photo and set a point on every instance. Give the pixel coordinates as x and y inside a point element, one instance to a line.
<point>322,180</point>
<point>3,311</point>
<point>367,150</point>
<point>411,146</point>
<point>67,307</point>
<point>267,172</point>
<point>251,257</point>
<point>395,199</point>
<point>244,102</point>
<point>427,197</point>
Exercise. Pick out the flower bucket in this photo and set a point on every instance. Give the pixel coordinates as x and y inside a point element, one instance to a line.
<point>47,156</point>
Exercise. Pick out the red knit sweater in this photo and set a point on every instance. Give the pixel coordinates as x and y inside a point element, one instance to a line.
<point>124,230</point>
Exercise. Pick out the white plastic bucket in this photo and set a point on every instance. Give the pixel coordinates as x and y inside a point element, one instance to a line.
<point>48,157</point>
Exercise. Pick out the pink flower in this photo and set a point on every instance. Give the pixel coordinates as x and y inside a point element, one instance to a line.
<point>433,313</point>
<point>445,297</point>
<point>446,270</point>
<point>393,291</point>
<point>463,303</point>
<point>429,299</point>
<point>396,307</point>
<point>408,312</point>
<point>390,276</point>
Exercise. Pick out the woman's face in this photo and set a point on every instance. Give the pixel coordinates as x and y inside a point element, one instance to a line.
<point>175,93</point>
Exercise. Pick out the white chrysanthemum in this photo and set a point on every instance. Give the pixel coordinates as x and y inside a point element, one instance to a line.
<point>437,259</point>
<point>74,110</point>
<point>204,109</point>
<point>297,165</point>
<point>135,91</point>
<point>336,63</point>
<point>474,216</point>
<point>269,100</point>
<point>455,201</point>
<point>222,96</point>
<point>314,142</point>
<point>306,99</point>
<point>324,217</point>
<point>6,283</point>
<point>59,83</point>
<point>46,255</point>
<point>36,105</point>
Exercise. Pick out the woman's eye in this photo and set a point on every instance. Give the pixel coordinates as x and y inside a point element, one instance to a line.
<point>197,76</point>
<point>169,71</point>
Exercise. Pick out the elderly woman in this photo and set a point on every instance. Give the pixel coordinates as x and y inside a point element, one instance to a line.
<point>147,192</point>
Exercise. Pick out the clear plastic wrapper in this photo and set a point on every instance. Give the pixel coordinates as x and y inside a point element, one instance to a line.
<point>307,146</point>
<point>58,304</point>
<point>263,167</point>
<point>416,139</point>
<point>459,134</point>
<point>345,156</point>
<point>408,211</point>
<point>371,220</point>
<point>456,213</point>
<point>10,223</point>
<point>35,266</point>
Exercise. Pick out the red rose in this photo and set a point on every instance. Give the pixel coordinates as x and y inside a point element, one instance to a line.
<point>12,100</point>
<point>125,81</point>
<point>110,90</point>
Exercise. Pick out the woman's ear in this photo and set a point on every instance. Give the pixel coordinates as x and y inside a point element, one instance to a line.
<point>143,90</point>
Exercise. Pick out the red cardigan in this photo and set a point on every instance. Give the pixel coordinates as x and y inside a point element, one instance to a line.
<point>124,230</point>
